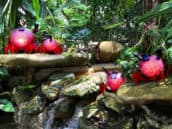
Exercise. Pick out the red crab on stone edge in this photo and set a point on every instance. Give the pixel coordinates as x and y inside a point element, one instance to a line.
<point>150,68</point>
<point>114,81</point>
<point>50,46</point>
<point>21,40</point>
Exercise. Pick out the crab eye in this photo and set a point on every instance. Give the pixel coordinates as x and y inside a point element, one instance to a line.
<point>21,29</point>
<point>118,75</point>
<point>113,75</point>
<point>145,57</point>
<point>158,57</point>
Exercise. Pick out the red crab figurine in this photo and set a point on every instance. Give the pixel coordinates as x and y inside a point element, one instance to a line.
<point>50,46</point>
<point>151,68</point>
<point>21,40</point>
<point>114,81</point>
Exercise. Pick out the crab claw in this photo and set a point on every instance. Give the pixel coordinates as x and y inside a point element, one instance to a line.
<point>29,49</point>
<point>58,50</point>
<point>137,77</point>
<point>107,72</point>
<point>102,88</point>
<point>10,48</point>
<point>34,47</point>
<point>7,48</point>
<point>41,49</point>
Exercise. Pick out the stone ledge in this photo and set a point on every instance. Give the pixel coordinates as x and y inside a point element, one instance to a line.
<point>43,60</point>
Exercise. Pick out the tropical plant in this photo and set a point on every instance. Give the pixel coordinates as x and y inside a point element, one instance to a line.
<point>128,61</point>
<point>6,105</point>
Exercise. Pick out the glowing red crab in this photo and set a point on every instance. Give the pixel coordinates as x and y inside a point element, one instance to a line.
<point>50,46</point>
<point>151,68</point>
<point>21,40</point>
<point>114,81</point>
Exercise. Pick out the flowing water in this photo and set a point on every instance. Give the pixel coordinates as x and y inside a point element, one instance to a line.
<point>20,118</point>
<point>73,123</point>
<point>52,107</point>
<point>48,116</point>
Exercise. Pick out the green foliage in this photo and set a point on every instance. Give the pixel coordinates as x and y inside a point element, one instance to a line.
<point>36,7</point>
<point>3,72</point>
<point>161,35</point>
<point>128,61</point>
<point>6,105</point>
<point>122,8</point>
<point>161,9</point>
<point>169,54</point>
<point>25,87</point>
<point>77,15</point>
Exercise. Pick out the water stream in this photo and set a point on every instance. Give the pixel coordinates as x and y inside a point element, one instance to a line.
<point>73,123</point>
<point>50,118</point>
<point>20,117</point>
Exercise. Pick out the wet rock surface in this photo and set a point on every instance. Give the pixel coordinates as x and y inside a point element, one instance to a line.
<point>145,93</point>
<point>35,105</point>
<point>56,82</point>
<point>64,101</point>
<point>85,85</point>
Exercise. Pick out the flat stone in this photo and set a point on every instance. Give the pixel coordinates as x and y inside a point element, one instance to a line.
<point>43,60</point>
<point>145,93</point>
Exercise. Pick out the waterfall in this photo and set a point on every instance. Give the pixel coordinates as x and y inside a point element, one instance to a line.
<point>73,123</point>
<point>52,107</point>
<point>49,112</point>
<point>20,117</point>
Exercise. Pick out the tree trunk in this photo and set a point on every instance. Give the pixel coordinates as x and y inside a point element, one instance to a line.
<point>148,5</point>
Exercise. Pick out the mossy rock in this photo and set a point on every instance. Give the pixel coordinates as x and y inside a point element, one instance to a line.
<point>85,85</point>
<point>145,93</point>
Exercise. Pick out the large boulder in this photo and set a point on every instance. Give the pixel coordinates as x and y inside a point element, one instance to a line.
<point>85,85</point>
<point>56,82</point>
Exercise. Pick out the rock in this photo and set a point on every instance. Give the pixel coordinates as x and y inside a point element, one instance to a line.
<point>120,123</point>
<point>65,109</point>
<point>109,50</point>
<point>43,60</point>
<point>56,81</point>
<point>145,122</point>
<point>145,93</point>
<point>97,117</point>
<point>29,114</point>
<point>34,121</point>
<point>8,126</point>
<point>113,102</point>
<point>20,96</point>
<point>44,73</point>
<point>14,81</point>
<point>85,85</point>
<point>33,106</point>
<point>84,124</point>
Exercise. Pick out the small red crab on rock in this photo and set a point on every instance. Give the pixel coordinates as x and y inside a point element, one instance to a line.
<point>150,68</point>
<point>50,46</point>
<point>21,40</point>
<point>114,81</point>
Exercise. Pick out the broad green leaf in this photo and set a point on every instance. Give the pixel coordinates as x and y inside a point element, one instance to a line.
<point>28,7</point>
<point>3,71</point>
<point>115,25</point>
<point>14,5</point>
<point>6,105</point>
<point>36,7</point>
<point>169,35</point>
<point>26,87</point>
